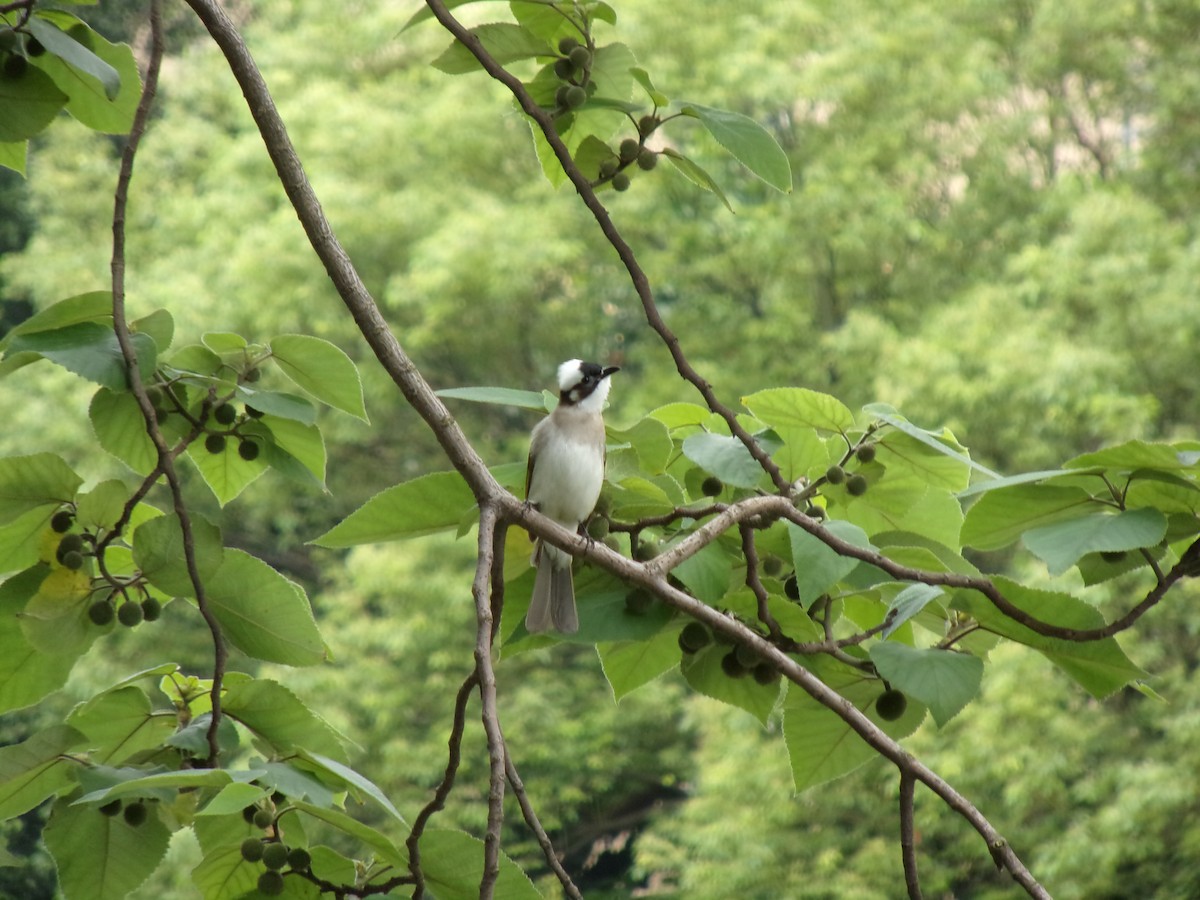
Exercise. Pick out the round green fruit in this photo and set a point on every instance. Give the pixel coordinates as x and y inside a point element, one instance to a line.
<point>299,859</point>
<point>62,521</point>
<point>712,486</point>
<point>70,543</point>
<point>647,159</point>
<point>694,637</point>
<point>791,589</point>
<point>35,47</point>
<point>747,656</point>
<point>253,413</point>
<point>225,414</point>
<point>566,45</point>
<point>135,813</point>
<point>638,601</point>
<point>215,443</point>
<point>252,849</point>
<point>249,813</point>
<point>575,97</point>
<point>856,485</point>
<point>563,69</point>
<point>765,673</point>
<point>270,883</point>
<point>111,808</point>
<point>814,512</point>
<point>101,612</point>
<point>620,182</point>
<point>151,609</point>
<point>629,150</point>
<point>252,375</point>
<point>865,453</point>
<point>646,550</point>
<point>732,667</point>
<point>835,474</point>
<point>772,565</point>
<point>598,528</point>
<point>275,856</point>
<point>608,168</point>
<point>891,705</point>
<point>647,124</point>
<point>248,450</point>
<point>15,65</point>
<point>73,560</point>
<point>263,818</point>
<point>580,57</point>
<point>130,614</point>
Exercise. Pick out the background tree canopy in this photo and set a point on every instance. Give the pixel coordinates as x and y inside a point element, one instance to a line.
<point>993,228</point>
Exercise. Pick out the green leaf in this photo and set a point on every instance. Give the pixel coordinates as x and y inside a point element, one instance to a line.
<point>358,783</point>
<point>262,613</point>
<point>642,77</point>
<point>296,784</point>
<point>29,482</point>
<point>90,350</point>
<point>750,143</point>
<point>818,567</point>
<point>224,342</point>
<point>1101,667</point>
<point>943,680</point>
<point>225,473</point>
<point>704,673</point>
<point>279,405</point>
<point>453,865</point>
<point>628,665</point>
<point>21,540</point>
<point>223,874</point>
<point>1061,544</point>
<point>279,717</point>
<point>158,552</point>
<point>233,798</point>
<point>386,850</point>
<point>121,430</point>
<point>789,408</point>
<point>292,448</point>
<point>322,369</point>
<point>941,442</point>
<point>425,505</point>
<point>680,415</point>
<point>504,41</point>
<point>497,396</point>
<point>821,746</point>
<point>591,154</point>
<point>908,603</point>
<point>803,453</point>
<point>55,619</point>
<point>95,306</point>
<point>89,100</point>
<point>28,105</point>
<point>936,466</point>
<point>75,54</point>
<point>695,174</point>
<point>652,443</point>
<point>102,505</point>
<point>725,457</point>
<point>102,857</point>
<point>992,484</point>
<point>120,723</point>
<point>12,153</point>
<point>193,737</point>
<point>706,574</point>
<point>36,769</point>
<point>999,517</point>
<point>1130,456</point>
<point>26,675</point>
<point>160,325</point>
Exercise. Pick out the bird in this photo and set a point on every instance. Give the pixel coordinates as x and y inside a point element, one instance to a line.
<point>562,481</point>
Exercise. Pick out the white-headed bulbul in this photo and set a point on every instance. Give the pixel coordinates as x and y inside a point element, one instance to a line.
<point>563,480</point>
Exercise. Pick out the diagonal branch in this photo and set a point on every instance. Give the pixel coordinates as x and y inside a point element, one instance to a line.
<point>543,839</point>
<point>487,693</point>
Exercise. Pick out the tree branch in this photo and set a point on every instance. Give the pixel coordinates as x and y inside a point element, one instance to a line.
<point>543,839</point>
<point>908,849</point>
<point>487,693</point>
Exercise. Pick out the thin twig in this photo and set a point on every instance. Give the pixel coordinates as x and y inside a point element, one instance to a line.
<point>438,803</point>
<point>487,694</point>
<point>755,583</point>
<point>908,850</point>
<point>543,839</point>
<point>129,352</point>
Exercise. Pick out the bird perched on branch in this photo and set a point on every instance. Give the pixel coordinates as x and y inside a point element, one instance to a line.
<point>563,480</point>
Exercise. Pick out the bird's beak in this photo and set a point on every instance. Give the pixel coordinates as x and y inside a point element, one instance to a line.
<point>604,373</point>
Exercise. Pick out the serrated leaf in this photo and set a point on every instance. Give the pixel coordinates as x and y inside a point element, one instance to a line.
<point>278,716</point>
<point>628,665</point>
<point>942,442</point>
<point>453,865</point>
<point>36,769</point>
<point>160,325</point>
<point>279,405</point>
<point>102,505</point>
<point>750,143</point>
<point>226,473</point>
<point>90,350</point>
<point>993,484</point>
<point>945,681</point>
<point>423,506</point>
<point>725,457</point>
<point>233,798</point>
<point>787,408</point>
<point>75,54</point>
<point>1062,544</point>
<point>642,77</point>
<point>158,552</point>
<point>13,155</point>
<point>999,517</point>
<point>262,613</point>
<point>1132,455</point>
<point>385,849</point>
<point>1101,667</point>
<point>121,430</point>
<point>94,306</point>
<point>706,574</point>
<point>819,567</point>
<point>909,603</point>
<point>29,482</point>
<point>504,41</point>
<point>821,746</point>
<point>102,857</point>
<point>703,672</point>
<point>120,723</point>
<point>321,369</point>
<point>26,675</point>
<point>354,780</point>
<point>652,443</point>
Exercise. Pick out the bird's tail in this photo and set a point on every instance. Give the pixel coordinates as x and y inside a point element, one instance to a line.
<point>553,603</point>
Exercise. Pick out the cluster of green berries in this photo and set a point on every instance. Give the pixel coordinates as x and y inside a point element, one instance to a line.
<point>856,484</point>
<point>16,49</point>
<point>574,69</point>
<point>227,416</point>
<point>738,662</point>
<point>271,852</point>
<point>630,152</point>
